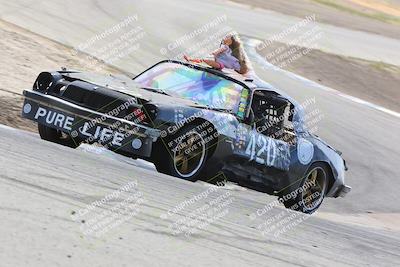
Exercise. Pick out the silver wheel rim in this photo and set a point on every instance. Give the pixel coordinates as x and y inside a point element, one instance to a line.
<point>187,159</point>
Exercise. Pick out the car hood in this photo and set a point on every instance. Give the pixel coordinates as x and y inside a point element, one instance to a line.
<point>127,86</point>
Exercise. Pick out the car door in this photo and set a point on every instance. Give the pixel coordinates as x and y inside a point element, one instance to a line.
<point>258,139</point>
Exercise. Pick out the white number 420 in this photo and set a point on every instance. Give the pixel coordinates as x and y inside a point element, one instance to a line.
<point>263,150</point>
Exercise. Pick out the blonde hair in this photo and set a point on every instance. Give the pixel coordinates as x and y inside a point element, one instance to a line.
<point>239,53</point>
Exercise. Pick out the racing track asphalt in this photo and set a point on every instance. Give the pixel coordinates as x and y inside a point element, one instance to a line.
<point>368,138</point>
<point>43,183</point>
<point>46,188</point>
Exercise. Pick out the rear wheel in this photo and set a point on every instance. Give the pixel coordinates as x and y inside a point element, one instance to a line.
<point>56,136</point>
<point>308,196</point>
<point>187,155</point>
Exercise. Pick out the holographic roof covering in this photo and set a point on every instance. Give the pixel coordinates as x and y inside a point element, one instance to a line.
<point>203,87</point>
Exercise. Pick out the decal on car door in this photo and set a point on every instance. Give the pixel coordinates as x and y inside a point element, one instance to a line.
<point>262,149</point>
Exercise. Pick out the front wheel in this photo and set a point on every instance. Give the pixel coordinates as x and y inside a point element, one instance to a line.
<point>311,192</point>
<point>185,154</point>
<point>56,136</point>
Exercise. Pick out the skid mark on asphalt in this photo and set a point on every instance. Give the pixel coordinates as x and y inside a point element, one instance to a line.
<point>103,151</point>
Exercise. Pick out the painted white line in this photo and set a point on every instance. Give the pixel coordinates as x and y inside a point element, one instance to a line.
<point>251,45</point>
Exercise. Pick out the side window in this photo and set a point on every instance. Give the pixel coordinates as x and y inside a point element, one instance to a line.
<point>272,115</point>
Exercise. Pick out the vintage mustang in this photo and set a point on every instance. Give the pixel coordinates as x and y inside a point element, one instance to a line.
<point>193,122</point>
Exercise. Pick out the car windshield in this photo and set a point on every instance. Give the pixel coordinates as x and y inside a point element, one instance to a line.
<point>200,86</point>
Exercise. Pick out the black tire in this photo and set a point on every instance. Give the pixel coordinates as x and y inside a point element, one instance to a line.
<point>309,194</point>
<point>187,156</point>
<point>56,136</point>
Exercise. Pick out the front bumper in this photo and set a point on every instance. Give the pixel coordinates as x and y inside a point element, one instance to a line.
<point>119,135</point>
<point>342,191</point>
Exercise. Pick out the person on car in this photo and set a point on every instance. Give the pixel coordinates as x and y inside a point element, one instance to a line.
<point>229,55</point>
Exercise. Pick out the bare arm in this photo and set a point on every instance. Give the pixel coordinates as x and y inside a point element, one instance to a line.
<point>219,50</point>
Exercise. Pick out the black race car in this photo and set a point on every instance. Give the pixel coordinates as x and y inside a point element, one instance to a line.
<point>193,122</point>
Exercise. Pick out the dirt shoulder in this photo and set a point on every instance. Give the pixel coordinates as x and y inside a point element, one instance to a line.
<point>375,82</point>
<point>23,55</point>
<point>10,114</point>
<point>346,14</point>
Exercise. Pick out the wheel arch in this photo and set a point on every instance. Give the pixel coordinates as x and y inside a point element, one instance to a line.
<point>195,122</point>
<point>214,141</point>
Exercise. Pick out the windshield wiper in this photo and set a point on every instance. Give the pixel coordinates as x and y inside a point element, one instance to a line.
<point>160,91</point>
<point>220,109</point>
